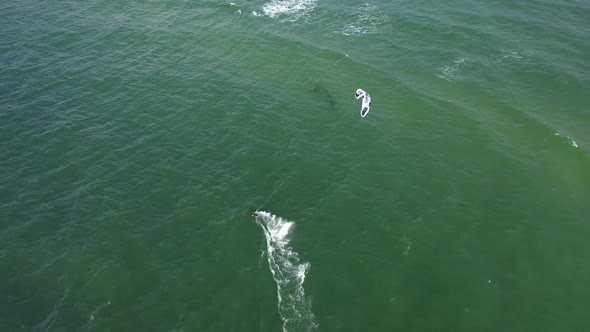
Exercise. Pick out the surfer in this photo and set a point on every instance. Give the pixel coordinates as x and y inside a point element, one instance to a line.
<point>254,214</point>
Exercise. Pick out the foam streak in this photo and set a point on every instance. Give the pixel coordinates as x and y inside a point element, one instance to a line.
<point>288,272</point>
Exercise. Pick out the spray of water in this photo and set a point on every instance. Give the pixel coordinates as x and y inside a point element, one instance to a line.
<point>288,272</point>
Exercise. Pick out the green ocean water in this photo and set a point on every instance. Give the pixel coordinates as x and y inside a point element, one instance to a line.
<point>136,139</point>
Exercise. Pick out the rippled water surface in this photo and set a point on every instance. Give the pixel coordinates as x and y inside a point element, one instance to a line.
<point>136,139</point>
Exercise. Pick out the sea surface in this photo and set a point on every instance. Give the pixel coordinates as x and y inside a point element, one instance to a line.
<point>136,138</point>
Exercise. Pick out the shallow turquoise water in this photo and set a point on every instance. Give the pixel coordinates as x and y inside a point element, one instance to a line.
<point>136,138</point>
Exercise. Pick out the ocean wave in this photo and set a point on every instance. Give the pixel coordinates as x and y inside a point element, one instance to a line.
<point>568,139</point>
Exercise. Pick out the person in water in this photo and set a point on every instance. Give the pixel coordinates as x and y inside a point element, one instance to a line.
<point>254,214</point>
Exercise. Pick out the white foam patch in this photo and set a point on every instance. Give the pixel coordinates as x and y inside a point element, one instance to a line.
<point>408,245</point>
<point>571,141</point>
<point>238,10</point>
<point>452,72</point>
<point>288,272</point>
<point>367,19</point>
<point>514,55</point>
<point>508,56</point>
<point>504,59</point>
<point>292,8</point>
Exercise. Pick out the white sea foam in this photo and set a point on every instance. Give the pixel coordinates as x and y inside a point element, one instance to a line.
<point>408,245</point>
<point>452,72</point>
<point>294,9</point>
<point>462,67</point>
<point>505,55</point>
<point>288,272</point>
<point>365,20</point>
<point>517,55</point>
<point>570,140</point>
<point>238,11</point>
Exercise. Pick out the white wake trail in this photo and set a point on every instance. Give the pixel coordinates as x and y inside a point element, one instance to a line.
<point>288,272</point>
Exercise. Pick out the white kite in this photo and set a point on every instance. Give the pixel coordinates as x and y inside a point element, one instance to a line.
<point>360,93</point>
